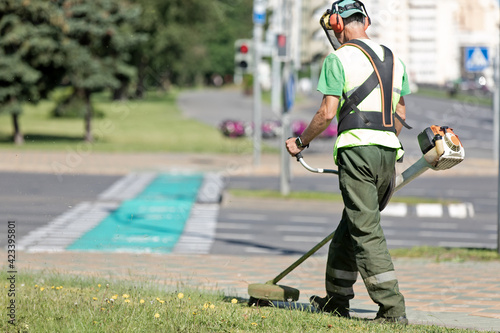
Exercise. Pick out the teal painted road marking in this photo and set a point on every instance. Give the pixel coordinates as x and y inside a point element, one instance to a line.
<point>151,222</point>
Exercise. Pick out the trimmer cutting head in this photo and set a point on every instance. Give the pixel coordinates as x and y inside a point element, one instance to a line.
<point>272,292</point>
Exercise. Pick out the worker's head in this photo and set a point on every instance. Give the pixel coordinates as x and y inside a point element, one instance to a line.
<point>348,12</point>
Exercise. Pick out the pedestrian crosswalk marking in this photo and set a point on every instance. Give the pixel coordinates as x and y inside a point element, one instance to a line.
<point>196,235</point>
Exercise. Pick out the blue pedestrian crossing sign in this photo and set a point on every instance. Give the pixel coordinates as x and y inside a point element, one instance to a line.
<point>289,93</point>
<point>476,59</point>
<point>259,12</point>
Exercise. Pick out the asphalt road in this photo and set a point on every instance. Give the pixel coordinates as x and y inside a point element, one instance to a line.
<point>35,199</point>
<point>267,227</point>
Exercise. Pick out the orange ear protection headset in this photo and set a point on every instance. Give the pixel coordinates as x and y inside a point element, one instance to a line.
<point>337,22</point>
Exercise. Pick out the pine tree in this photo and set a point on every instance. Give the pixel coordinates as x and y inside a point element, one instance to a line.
<point>31,59</point>
<point>98,44</point>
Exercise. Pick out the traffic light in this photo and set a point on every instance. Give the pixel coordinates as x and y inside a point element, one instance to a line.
<point>281,42</point>
<point>243,56</point>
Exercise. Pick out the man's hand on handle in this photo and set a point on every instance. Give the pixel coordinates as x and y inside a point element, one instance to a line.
<point>292,148</point>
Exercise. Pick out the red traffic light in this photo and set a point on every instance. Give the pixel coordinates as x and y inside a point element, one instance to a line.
<point>244,48</point>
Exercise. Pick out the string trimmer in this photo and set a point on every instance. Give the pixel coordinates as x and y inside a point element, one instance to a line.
<point>441,150</point>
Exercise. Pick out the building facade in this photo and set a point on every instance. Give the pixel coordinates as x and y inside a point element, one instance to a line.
<point>429,36</point>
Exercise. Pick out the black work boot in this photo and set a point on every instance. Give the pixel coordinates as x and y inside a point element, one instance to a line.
<point>327,304</point>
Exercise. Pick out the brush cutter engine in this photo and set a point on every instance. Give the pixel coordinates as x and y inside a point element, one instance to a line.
<point>441,147</point>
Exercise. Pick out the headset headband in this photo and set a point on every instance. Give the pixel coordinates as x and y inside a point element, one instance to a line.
<point>336,9</point>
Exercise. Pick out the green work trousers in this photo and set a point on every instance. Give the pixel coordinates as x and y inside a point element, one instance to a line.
<point>359,244</point>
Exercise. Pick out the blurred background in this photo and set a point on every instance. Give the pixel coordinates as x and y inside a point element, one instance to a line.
<point>68,50</point>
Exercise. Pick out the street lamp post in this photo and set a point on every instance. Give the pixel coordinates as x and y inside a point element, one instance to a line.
<point>259,18</point>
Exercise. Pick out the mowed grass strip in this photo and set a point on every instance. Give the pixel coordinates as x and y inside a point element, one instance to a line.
<point>323,196</point>
<point>154,124</point>
<point>440,254</point>
<point>53,302</point>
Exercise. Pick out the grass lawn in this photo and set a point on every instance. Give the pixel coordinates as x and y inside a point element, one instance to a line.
<point>52,302</point>
<point>477,99</point>
<point>324,196</point>
<point>440,254</point>
<point>154,124</point>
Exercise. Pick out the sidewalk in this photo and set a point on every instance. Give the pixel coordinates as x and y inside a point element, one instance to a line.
<point>465,295</point>
<point>71,162</point>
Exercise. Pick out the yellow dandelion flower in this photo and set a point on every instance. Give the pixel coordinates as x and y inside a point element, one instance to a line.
<point>234,301</point>
<point>158,299</point>
<point>36,286</point>
<point>99,285</point>
<point>127,301</point>
<point>180,295</point>
<point>42,289</point>
<point>206,305</point>
<point>57,288</point>
<point>60,287</point>
<point>254,324</point>
<point>194,313</point>
<point>212,306</point>
<point>162,301</point>
<point>114,296</point>
<point>94,298</point>
<point>95,322</point>
<point>52,287</point>
<point>141,301</point>
<point>125,296</point>
<point>264,317</point>
<point>157,315</point>
<point>103,309</point>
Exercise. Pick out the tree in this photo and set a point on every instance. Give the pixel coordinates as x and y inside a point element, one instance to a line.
<point>189,39</point>
<point>98,44</point>
<point>30,55</point>
<point>234,21</point>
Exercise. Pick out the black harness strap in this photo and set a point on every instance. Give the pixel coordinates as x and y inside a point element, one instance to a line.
<point>383,76</point>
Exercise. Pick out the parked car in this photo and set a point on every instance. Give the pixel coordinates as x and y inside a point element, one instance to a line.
<point>298,126</point>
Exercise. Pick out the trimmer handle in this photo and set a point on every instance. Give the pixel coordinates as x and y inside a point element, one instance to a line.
<point>300,159</point>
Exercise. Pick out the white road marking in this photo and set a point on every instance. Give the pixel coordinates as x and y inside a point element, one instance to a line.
<point>199,231</point>
<point>429,210</point>
<point>395,209</point>
<point>458,211</point>
<point>309,219</point>
<point>128,187</point>
<point>400,242</point>
<point>294,228</point>
<point>302,239</point>
<point>461,244</point>
<point>492,227</point>
<point>260,250</point>
<point>247,217</point>
<point>436,234</point>
<point>238,226</point>
<point>232,236</point>
<point>67,228</point>
<point>437,225</point>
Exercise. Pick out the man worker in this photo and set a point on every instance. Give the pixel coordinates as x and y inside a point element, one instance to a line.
<point>366,150</point>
